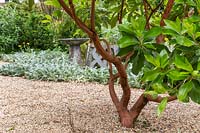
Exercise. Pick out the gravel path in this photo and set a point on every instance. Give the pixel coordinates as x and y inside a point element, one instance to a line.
<point>48,107</point>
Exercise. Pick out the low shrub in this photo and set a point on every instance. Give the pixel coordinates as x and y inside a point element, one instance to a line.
<point>51,66</point>
<point>54,66</point>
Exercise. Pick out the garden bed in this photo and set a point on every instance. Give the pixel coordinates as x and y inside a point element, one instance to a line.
<point>40,106</point>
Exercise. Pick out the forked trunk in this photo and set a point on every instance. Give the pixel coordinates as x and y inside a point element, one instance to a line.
<point>128,117</point>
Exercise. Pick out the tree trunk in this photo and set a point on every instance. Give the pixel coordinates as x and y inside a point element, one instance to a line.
<point>129,117</point>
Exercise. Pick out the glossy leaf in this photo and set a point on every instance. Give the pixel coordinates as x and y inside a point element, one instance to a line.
<point>138,63</point>
<point>184,90</point>
<point>182,63</point>
<point>161,106</point>
<point>54,3</point>
<point>151,75</point>
<point>198,66</point>
<point>153,32</point>
<point>152,60</point>
<point>164,58</point>
<point>173,25</point>
<point>175,75</point>
<point>194,94</point>
<point>184,41</point>
<point>125,28</point>
<point>126,41</point>
<point>159,88</point>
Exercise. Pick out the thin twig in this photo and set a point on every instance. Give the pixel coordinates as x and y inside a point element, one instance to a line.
<point>152,12</point>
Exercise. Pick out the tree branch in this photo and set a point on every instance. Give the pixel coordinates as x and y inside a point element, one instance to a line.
<point>159,98</point>
<point>147,3</point>
<point>147,26</point>
<point>66,8</point>
<point>152,12</point>
<point>111,83</point>
<point>71,12</point>
<point>138,106</point>
<point>167,11</point>
<point>92,19</point>
<point>160,38</point>
<point>121,12</point>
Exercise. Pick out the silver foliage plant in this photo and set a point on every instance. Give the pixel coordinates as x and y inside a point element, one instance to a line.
<point>54,66</point>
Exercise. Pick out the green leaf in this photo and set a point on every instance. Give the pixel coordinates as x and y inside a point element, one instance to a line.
<point>197,35</point>
<point>184,41</point>
<point>152,60</point>
<point>124,51</point>
<point>170,32</point>
<point>184,90</point>
<point>153,32</point>
<point>159,88</point>
<point>126,41</point>
<point>176,75</point>
<point>198,66</point>
<point>174,25</point>
<point>161,107</point>
<point>194,94</point>
<point>126,28</point>
<point>164,58</point>
<point>194,19</point>
<point>46,21</point>
<point>139,24</point>
<point>182,63</point>
<point>138,62</point>
<point>151,75</point>
<point>154,94</point>
<point>54,3</point>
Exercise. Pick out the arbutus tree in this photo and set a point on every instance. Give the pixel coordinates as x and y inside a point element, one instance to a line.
<point>167,53</point>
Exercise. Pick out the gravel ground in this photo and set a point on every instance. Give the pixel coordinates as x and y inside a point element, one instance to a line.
<point>58,107</point>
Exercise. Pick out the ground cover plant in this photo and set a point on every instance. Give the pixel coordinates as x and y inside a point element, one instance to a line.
<point>51,66</point>
<point>161,38</point>
<point>54,66</point>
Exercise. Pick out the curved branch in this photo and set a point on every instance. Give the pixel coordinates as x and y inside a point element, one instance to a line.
<point>71,12</point>
<point>138,106</point>
<point>159,98</point>
<point>111,83</point>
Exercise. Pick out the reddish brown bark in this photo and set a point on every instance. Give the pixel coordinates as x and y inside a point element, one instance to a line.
<point>127,117</point>
<point>160,38</point>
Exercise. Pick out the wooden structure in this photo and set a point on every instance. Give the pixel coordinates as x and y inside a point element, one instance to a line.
<point>93,59</point>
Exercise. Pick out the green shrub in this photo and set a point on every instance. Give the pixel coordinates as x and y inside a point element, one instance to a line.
<point>22,29</point>
<point>9,29</point>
